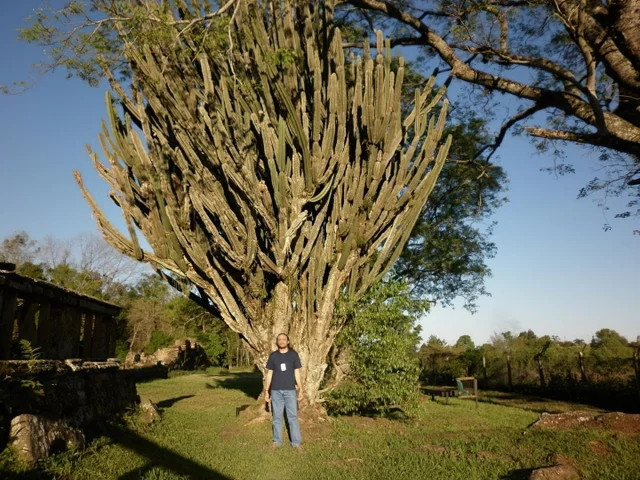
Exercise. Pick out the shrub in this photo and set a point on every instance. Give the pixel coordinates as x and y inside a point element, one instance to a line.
<point>381,338</point>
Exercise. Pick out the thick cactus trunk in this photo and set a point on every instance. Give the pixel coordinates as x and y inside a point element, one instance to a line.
<point>313,358</point>
<point>267,174</point>
<point>312,341</point>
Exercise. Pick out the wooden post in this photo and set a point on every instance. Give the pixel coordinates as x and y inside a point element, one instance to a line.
<point>110,323</point>
<point>636,367</point>
<point>583,372</point>
<point>475,390</point>
<point>509,372</point>
<point>484,370</point>
<point>75,325</point>
<point>538,359</point>
<point>87,336</point>
<point>98,350</point>
<point>44,329</point>
<point>57,332</point>
<point>63,347</point>
<point>9,303</point>
<point>27,323</point>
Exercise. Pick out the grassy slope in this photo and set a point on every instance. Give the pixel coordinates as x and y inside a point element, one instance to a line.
<point>200,436</point>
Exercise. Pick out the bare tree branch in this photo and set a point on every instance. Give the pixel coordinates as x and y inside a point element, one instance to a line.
<point>614,131</point>
<point>505,128</point>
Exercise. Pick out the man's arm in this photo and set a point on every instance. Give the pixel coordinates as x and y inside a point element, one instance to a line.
<point>267,385</point>
<point>298,382</point>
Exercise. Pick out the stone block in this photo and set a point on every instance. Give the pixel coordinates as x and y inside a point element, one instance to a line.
<point>33,437</point>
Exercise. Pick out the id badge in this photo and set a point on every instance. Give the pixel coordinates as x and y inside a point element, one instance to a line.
<point>283,367</point>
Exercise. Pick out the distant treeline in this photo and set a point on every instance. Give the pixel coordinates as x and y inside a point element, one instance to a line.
<point>604,372</point>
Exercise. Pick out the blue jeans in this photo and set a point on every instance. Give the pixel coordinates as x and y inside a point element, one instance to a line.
<point>282,400</point>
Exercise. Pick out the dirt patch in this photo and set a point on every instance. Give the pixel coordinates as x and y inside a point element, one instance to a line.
<point>369,422</point>
<point>255,415</point>
<point>562,468</point>
<point>534,403</point>
<point>481,454</point>
<point>486,455</point>
<point>622,422</point>
<point>349,445</point>
<point>615,421</point>
<point>346,463</point>
<point>557,459</point>
<point>433,448</point>
<point>355,459</point>
<point>317,430</point>
<point>556,472</point>
<point>599,448</point>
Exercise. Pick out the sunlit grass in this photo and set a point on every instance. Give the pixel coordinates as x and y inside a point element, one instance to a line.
<point>200,436</point>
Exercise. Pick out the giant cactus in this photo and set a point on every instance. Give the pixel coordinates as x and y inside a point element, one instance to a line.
<point>270,174</point>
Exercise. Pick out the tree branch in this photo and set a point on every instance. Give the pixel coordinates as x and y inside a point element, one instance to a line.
<point>618,65</point>
<point>401,41</point>
<point>576,30</point>
<point>620,133</point>
<point>505,127</point>
<point>594,139</point>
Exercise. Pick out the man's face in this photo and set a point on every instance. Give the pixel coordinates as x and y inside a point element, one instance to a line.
<point>282,341</point>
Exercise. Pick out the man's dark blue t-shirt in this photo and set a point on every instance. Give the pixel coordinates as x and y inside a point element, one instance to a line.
<point>283,366</point>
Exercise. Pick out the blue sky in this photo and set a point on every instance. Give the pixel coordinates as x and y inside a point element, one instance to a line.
<point>557,271</point>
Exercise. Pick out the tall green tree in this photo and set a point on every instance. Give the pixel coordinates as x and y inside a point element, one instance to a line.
<point>189,319</point>
<point>611,354</point>
<point>465,341</point>
<point>573,65</point>
<point>446,256</point>
<point>267,173</point>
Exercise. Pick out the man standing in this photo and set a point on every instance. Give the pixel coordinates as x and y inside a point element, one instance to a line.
<point>283,375</point>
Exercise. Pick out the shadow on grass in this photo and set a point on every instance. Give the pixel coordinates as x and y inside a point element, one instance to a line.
<point>158,456</point>
<point>530,403</point>
<point>514,405</point>
<point>29,475</point>
<point>250,383</point>
<point>170,401</point>
<point>519,474</point>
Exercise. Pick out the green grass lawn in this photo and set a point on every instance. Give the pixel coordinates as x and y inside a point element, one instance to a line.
<point>199,436</point>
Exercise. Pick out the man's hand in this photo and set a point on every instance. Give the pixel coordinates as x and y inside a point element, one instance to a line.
<point>267,386</point>
<point>300,394</point>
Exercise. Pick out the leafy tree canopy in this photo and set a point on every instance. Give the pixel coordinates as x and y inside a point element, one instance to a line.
<point>573,66</point>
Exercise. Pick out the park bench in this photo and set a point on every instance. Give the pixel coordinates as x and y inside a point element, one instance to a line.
<point>445,392</point>
<point>467,387</point>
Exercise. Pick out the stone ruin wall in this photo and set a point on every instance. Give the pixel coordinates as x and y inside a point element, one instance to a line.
<point>50,401</point>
